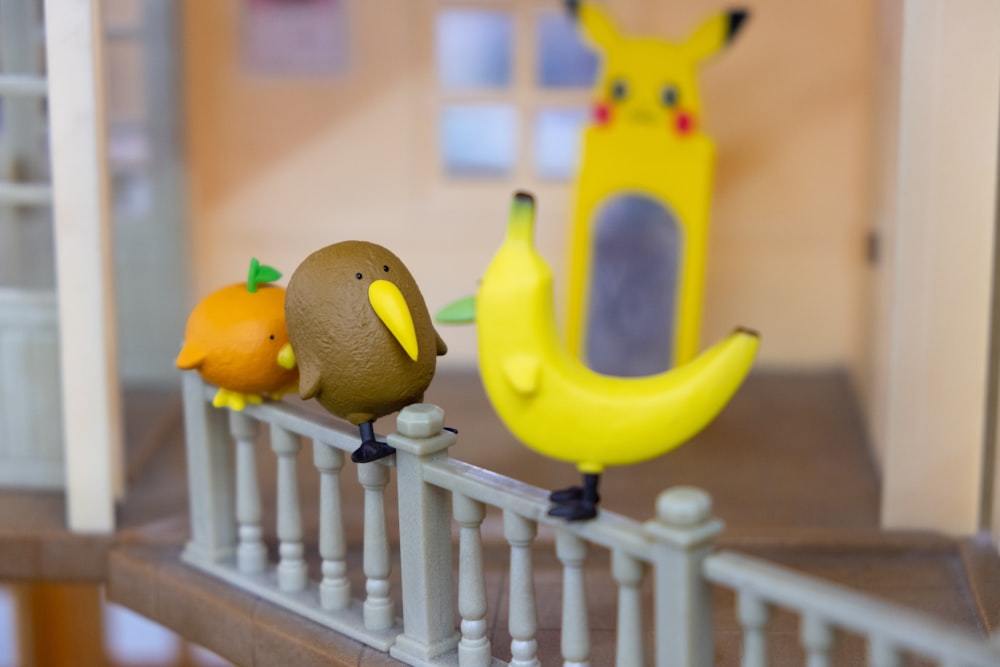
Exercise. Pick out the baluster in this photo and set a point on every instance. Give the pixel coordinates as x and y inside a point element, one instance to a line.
<point>683,531</point>
<point>523,619</point>
<point>211,483</point>
<point>378,607</point>
<point>291,566</point>
<point>882,653</point>
<point>425,513</point>
<point>474,647</point>
<point>571,551</point>
<point>753,614</point>
<point>817,638</point>
<point>628,572</point>
<point>335,590</point>
<point>251,555</point>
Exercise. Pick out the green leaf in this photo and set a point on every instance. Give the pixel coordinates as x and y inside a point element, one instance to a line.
<point>259,274</point>
<point>462,311</point>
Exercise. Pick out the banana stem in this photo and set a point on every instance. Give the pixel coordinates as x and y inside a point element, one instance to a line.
<point>522,218</point>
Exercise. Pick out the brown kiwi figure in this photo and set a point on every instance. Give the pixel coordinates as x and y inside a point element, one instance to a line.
<point>362,336</point>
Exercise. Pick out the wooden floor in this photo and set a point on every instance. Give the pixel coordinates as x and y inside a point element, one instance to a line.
<point>786,463</point>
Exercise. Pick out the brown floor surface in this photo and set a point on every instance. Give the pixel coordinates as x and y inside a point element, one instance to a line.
<point>786,464</point>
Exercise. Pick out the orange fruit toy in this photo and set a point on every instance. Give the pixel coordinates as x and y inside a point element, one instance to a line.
<point>237,340</point>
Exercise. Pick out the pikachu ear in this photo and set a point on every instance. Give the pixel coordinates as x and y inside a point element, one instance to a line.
<point>715,33</point>
<point>596,25</point>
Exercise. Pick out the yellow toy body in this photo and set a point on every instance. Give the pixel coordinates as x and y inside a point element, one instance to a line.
<point>553,403</point>
<point>237,340</point>
<point>645,145</point>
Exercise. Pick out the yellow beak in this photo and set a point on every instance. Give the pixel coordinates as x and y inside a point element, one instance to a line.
<point>286,358</point>
<point>392,309</point>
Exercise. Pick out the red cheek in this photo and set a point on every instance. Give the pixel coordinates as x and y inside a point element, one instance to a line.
<point>684,123</point>
<point>602,113</point>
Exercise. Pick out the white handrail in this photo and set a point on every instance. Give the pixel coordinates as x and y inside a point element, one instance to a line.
<point>433,489</point>
<point>849,610</point>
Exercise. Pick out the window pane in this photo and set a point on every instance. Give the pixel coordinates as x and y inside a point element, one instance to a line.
<point>557,141</point>
<point>564,59</point>
<point>474,48</point>
<point>479,140</point>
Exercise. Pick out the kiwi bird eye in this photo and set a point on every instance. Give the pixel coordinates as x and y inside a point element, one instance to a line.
<point>386,269</point>
<point>358,276</point>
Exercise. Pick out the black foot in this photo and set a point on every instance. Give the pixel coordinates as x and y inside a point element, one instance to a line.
<point>572,494</point>
<point>578,511</point>
<point>371,450</point>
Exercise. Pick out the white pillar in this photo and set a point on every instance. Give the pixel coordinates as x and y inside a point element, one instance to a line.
<point>335,589</point>
<point>628,573</point>
<point>251,554</point>
<point>291,564</point>
<point>685,531</point>
<point>90,388</point>
<point>378,606</point>
<point>575,639</point>
<point>474,648</point>
<point>424,537</point>
<point>523,617</point>
<point>941,268</point>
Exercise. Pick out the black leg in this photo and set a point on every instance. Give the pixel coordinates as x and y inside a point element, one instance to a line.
<point>370,449</point>
<point>581,502</point>
<point>570,494</point>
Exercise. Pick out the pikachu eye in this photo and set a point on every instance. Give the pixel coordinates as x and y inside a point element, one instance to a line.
<point>669,95</point>
<point>618,90</point>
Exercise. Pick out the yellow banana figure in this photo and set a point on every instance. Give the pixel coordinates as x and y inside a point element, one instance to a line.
<point>560,408</point>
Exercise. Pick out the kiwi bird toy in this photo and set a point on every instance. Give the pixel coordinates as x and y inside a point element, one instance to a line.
<point>237,340</point>
<point>557,406</point>
<point>362,336</point>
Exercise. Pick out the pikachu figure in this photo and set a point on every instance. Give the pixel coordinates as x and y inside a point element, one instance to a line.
<point>637,244</point>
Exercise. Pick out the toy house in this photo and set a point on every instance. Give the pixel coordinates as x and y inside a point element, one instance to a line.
<point>836,167</point>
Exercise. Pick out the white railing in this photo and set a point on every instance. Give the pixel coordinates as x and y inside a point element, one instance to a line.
<point>825,608</point>
<point>674,549</point>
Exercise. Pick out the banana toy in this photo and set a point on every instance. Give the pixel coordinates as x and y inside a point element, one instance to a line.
<point>557,406</point>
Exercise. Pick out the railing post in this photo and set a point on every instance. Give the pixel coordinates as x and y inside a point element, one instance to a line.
<point>424,536</point>
<point>210,476</point>
<point>378,611</point>
<point>291,564</point>
<point>251,554</point>
<point>474,648</point>
<point>685,531</point>
<point>523,616</point>
<point>575,637</point>
<point>628,572</point>
<point>335,590</point>
<point>753,614</point>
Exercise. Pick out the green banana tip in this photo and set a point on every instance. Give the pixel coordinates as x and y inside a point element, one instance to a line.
<point>522,216</point>
<point>259,274</point>
<point>523,205</point>
<point>524,197</point>
<point>462,311</point>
